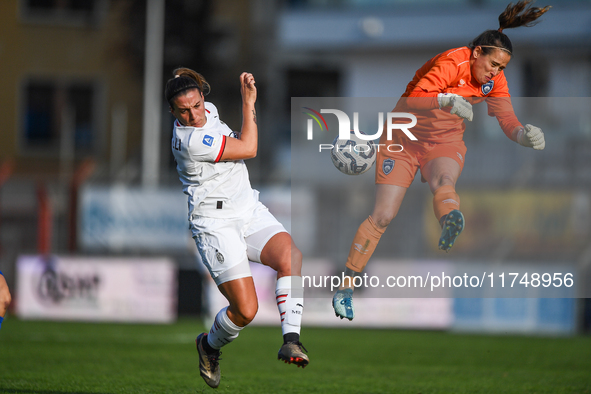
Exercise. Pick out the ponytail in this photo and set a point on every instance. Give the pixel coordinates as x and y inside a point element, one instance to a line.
<point>513,17</point>
<point>520,14</point>
<point>185,79</point>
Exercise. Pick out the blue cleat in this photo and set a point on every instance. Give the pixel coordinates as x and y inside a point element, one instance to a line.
<point>452,227</point>
<point>342,302</point>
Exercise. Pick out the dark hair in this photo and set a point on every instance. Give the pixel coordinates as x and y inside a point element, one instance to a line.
<point>185,79</point>
<point>520,14</point>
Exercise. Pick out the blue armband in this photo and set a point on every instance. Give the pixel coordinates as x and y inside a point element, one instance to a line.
<point>1,273</point>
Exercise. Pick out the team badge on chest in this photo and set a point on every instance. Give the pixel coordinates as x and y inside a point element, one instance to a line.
<point>487,87</point>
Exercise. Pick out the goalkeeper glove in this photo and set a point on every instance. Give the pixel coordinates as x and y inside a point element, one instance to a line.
<point>460,106</point>
<point>531,137</point>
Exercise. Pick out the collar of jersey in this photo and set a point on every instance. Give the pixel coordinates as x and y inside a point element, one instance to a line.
<point>208,122</point>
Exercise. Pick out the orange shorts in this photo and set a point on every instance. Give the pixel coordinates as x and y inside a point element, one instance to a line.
<point>399,164</point>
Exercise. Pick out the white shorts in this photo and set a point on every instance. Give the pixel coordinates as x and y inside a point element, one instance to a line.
<point>226,245</point>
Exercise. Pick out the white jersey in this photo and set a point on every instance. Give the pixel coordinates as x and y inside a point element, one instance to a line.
<point>215,189</point>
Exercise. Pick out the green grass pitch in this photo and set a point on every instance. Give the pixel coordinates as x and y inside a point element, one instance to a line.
<point>61,357</point>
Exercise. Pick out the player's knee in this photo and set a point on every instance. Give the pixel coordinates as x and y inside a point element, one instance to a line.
<point>442,180</point>
<point>383,219</point>
<point>246,313</point>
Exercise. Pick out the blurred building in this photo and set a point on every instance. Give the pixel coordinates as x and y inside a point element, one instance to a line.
<point>67,81</point>
<point>73,77</point>
<point>69,93</point>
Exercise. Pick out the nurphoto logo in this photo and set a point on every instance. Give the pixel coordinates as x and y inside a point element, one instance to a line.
<point>345,130</point>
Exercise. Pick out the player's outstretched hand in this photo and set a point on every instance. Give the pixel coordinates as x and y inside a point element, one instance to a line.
<point>247,88</point>
<point>531,137</point>
<point>460,106</point>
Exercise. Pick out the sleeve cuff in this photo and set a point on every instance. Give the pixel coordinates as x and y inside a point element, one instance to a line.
<point>221,149</point>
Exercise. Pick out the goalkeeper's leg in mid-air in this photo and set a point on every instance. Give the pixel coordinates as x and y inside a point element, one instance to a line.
<point>441,174</point>
<point>388,199</point>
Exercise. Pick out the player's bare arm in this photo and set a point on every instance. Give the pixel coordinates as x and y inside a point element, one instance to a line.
<point>245,147</point>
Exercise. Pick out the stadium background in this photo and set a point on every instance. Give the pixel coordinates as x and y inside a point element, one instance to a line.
<point>76,147</point>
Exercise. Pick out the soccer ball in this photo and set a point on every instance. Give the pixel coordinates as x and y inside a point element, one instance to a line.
<point>353,156</point>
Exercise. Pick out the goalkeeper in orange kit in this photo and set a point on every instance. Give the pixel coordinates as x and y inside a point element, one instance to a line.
<point>441,95</point>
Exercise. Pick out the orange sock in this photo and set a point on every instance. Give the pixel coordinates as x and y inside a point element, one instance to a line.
<point>364,243</point>
<point>445,200</point>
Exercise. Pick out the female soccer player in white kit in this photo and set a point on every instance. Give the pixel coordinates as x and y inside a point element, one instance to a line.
<point>230,226</point>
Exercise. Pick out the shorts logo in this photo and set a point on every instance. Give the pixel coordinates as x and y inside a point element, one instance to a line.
<point>388,166</point>
<point>462,82</point>
<point>460,156</point>
<point>220,257</point>
<point>487,87</point>
<point>208,140</point>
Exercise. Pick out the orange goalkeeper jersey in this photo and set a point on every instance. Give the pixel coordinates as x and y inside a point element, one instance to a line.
<point>449,72</point>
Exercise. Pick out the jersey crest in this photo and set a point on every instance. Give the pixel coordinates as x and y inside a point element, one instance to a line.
<point>487,87</point>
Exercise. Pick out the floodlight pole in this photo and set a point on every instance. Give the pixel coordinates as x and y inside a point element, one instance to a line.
<point>152,92</point>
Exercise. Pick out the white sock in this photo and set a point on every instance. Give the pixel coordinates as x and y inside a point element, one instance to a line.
<point>290,302</point>
<point>223,330</point>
